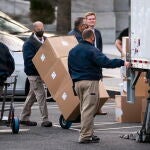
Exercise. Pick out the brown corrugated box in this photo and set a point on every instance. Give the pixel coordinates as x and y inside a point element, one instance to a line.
<point>68,103</point>
<point>56,75</point>
<point>51,63</point>
<point>52,49</point>
<point>128,112</point>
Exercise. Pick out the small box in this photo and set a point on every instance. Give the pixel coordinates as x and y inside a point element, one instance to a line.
<point>128,112</point>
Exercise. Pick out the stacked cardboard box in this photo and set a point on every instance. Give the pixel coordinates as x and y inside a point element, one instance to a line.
<point>129,112</point>
<point>51,63</point>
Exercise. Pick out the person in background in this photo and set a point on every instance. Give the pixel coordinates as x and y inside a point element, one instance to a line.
<point>37,91</point>
<point>90,18</point>
<point>7,65</point>
<point>118,42</point>
<point>85,74</point>
<point>79,26</point>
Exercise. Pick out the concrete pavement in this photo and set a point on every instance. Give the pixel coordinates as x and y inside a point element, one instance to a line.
<point>56,138</point>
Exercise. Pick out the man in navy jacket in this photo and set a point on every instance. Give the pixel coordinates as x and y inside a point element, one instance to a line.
<point>37,91</point>
<point>79,26</point>
<point>85,63</point>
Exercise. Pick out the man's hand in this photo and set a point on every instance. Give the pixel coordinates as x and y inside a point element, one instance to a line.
<point>127,64</point>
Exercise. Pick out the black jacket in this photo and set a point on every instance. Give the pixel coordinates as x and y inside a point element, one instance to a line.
<point>99,42</point>
<point>7,64</point>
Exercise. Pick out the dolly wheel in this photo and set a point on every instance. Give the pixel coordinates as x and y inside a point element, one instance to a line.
<point>63,123</point>
<point>15,125</point>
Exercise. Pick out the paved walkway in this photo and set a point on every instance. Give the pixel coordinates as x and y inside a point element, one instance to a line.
<point>56,138</point>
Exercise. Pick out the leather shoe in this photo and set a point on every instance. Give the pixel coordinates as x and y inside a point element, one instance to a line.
<point>101,113</point>
<point>46,124</point>
<point>93,139</point>
<point>28,123</point>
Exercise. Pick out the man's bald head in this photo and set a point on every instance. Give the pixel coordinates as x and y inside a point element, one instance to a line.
<point>37,23</point>
<point>88,35</point>
<point>38,28</point>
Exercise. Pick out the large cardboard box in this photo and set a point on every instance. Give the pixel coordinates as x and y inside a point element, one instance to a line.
<point>52,49</point>
<point>56,75</point>
<point>68,103</point>
<point>128,112</point>
<point>103,95</point>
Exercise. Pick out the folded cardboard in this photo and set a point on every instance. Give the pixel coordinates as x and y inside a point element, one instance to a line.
<point>52,49</point>
<point>128,112</point>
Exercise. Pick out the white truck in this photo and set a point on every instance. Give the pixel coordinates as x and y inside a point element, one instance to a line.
<point>139,56</point>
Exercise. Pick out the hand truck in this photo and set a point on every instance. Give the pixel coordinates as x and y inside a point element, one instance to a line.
<point>10,120</point>
<point>66,124</point>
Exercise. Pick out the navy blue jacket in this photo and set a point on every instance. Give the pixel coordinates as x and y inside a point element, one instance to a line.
<point>77,34</point>
<point>85,62</point>
<point>30,48</point>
